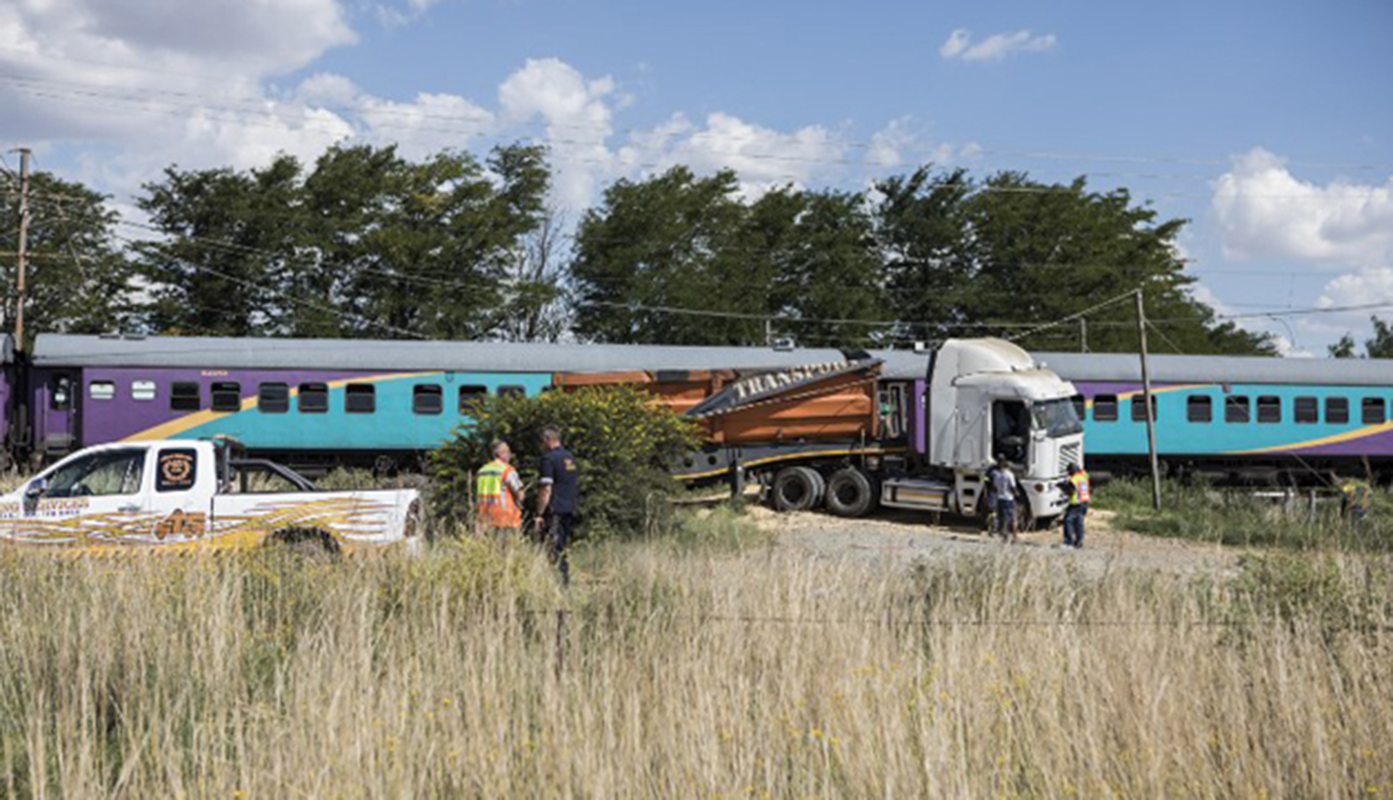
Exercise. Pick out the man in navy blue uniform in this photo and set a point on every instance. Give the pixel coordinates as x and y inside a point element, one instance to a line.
<point>558,499</point>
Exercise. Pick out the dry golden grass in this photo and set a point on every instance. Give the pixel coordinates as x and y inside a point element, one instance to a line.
<point>683,670</point>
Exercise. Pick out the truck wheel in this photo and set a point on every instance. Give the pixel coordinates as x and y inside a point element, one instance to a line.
<point>850,493</point>
<point>797,489</point>
<point>305,541</point>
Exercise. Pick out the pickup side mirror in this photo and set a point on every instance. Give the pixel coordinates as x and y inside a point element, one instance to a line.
<point>36,489</point>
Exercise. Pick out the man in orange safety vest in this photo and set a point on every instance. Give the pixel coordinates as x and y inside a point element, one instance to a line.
<point>1079,494</point>
<point>498,493</point>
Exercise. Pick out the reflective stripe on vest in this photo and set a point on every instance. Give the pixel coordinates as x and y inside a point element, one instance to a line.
<point>495,504</point>
<point>1080,494</point>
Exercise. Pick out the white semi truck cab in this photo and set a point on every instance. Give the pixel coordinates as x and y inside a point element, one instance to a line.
<point>987,398</point>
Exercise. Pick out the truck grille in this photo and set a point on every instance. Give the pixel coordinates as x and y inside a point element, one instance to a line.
<point>1071,454</point>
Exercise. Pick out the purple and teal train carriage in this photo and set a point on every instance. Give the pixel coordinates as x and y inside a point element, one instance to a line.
<point>1236,417</point>
<point>313,403</point>
<point>320,402</point>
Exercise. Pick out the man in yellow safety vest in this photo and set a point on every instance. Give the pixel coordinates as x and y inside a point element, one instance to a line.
<point>498,494</point>
<point>1079,495</point>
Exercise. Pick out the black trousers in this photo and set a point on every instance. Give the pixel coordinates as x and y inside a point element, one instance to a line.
<point>558,529</point>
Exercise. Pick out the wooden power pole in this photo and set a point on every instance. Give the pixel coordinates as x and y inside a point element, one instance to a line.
<point>1148,404</point>
<point>21,251</point>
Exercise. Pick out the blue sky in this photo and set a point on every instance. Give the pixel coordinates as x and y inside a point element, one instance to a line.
<point>1266,124</point>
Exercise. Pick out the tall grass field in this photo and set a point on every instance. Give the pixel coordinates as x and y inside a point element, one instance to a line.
<point>707,664</point>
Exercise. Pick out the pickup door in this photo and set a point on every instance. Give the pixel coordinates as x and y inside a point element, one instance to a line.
<point>117,495</point>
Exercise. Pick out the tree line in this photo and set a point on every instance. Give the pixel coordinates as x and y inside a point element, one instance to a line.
<point>364,243</point>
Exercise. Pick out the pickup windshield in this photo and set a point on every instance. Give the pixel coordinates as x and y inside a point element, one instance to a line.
<point>1056,417</point>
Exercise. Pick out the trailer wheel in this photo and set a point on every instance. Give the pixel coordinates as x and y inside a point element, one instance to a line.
<point>850,493</point>
<point>798,489</point>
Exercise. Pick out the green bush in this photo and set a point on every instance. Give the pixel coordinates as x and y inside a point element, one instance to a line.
<point>1239,517</point>
<point>621,439</point>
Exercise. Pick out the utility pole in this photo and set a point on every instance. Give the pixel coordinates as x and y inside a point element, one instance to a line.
<point>1083,334</point>
<point>1147,403</point>
<point>23,246</point>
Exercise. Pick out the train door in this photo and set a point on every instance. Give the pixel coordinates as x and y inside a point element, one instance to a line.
<point>55,408</point>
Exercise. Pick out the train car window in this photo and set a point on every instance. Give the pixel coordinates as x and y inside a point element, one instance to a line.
<point>273,398</point>
<point>185,396</point>
<point>1306,410</point>
<point>511,391</point>
<point>101,390</point>
<point>1236,408</point>
<point>143,390</point>
<point>427,398</point>
<point>60,393</point>
<point>227,396</point>
<point>1371,411</point>
<point>1080,406</point>
<point>1269,409</point>
<point>1199,408</point>
<point>313,398</point>
<point>1105,408</point>
<point>1138,408</point>
<point>1336,411</point>
<point>469,398</point>
<point>360,398</point>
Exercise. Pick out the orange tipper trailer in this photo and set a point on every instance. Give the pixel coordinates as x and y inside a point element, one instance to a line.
<point>851,435</point>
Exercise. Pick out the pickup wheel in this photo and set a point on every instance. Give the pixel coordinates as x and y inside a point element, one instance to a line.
<point>305,541</point>
<point>798,489</point>
<point>851,493</point>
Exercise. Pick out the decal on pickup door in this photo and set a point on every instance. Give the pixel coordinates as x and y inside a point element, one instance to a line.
<point>348,519</point>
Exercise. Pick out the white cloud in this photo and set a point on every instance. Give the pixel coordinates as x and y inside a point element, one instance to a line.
<point>1264,210</point>
<point>763,157</point>
<point>392,15</point>
<point>956,43</point>
<point>996,47</point>
<point>577,119</point>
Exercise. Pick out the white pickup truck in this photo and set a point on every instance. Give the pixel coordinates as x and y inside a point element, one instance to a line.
<point>194,494</point>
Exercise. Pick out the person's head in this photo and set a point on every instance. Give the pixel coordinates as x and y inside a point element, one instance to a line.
<point>1003,462</point>
<point>550,438</point>
<point>1074,469</point>
<point>502,451</point>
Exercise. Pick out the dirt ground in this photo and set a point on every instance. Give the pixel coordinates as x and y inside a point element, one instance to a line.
<point>908,537</point>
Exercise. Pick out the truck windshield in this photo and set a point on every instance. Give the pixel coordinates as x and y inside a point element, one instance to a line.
<point>1056,417</point>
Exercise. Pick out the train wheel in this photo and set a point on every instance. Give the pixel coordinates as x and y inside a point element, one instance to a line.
<point>797,489</point>
<point>851,493</point>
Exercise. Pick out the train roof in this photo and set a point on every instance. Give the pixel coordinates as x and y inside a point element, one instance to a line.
<point>1126,367</point>
<point>64,350</point>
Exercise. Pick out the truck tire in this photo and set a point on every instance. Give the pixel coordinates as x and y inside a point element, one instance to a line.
<point>851,493</point>
<point>798,489</point>
<point>307,541</point>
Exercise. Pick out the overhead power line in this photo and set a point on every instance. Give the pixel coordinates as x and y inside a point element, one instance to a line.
<point>259,101</point>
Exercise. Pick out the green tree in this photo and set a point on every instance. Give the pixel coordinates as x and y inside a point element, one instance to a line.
<point>228,247</point>
<point>672,241</point>
<point>622,441</point>
<point>78,277</point>
<point>1381,345</point>
<point>975,258</point>
<point>366,244</point>
<point>1343,348</point>
<point>677,241</point>
<point>921,232</point>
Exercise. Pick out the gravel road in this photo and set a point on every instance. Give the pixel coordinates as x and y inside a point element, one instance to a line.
<point>906,538</point>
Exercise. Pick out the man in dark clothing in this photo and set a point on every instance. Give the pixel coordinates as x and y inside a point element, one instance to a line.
<point>558,500</point>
